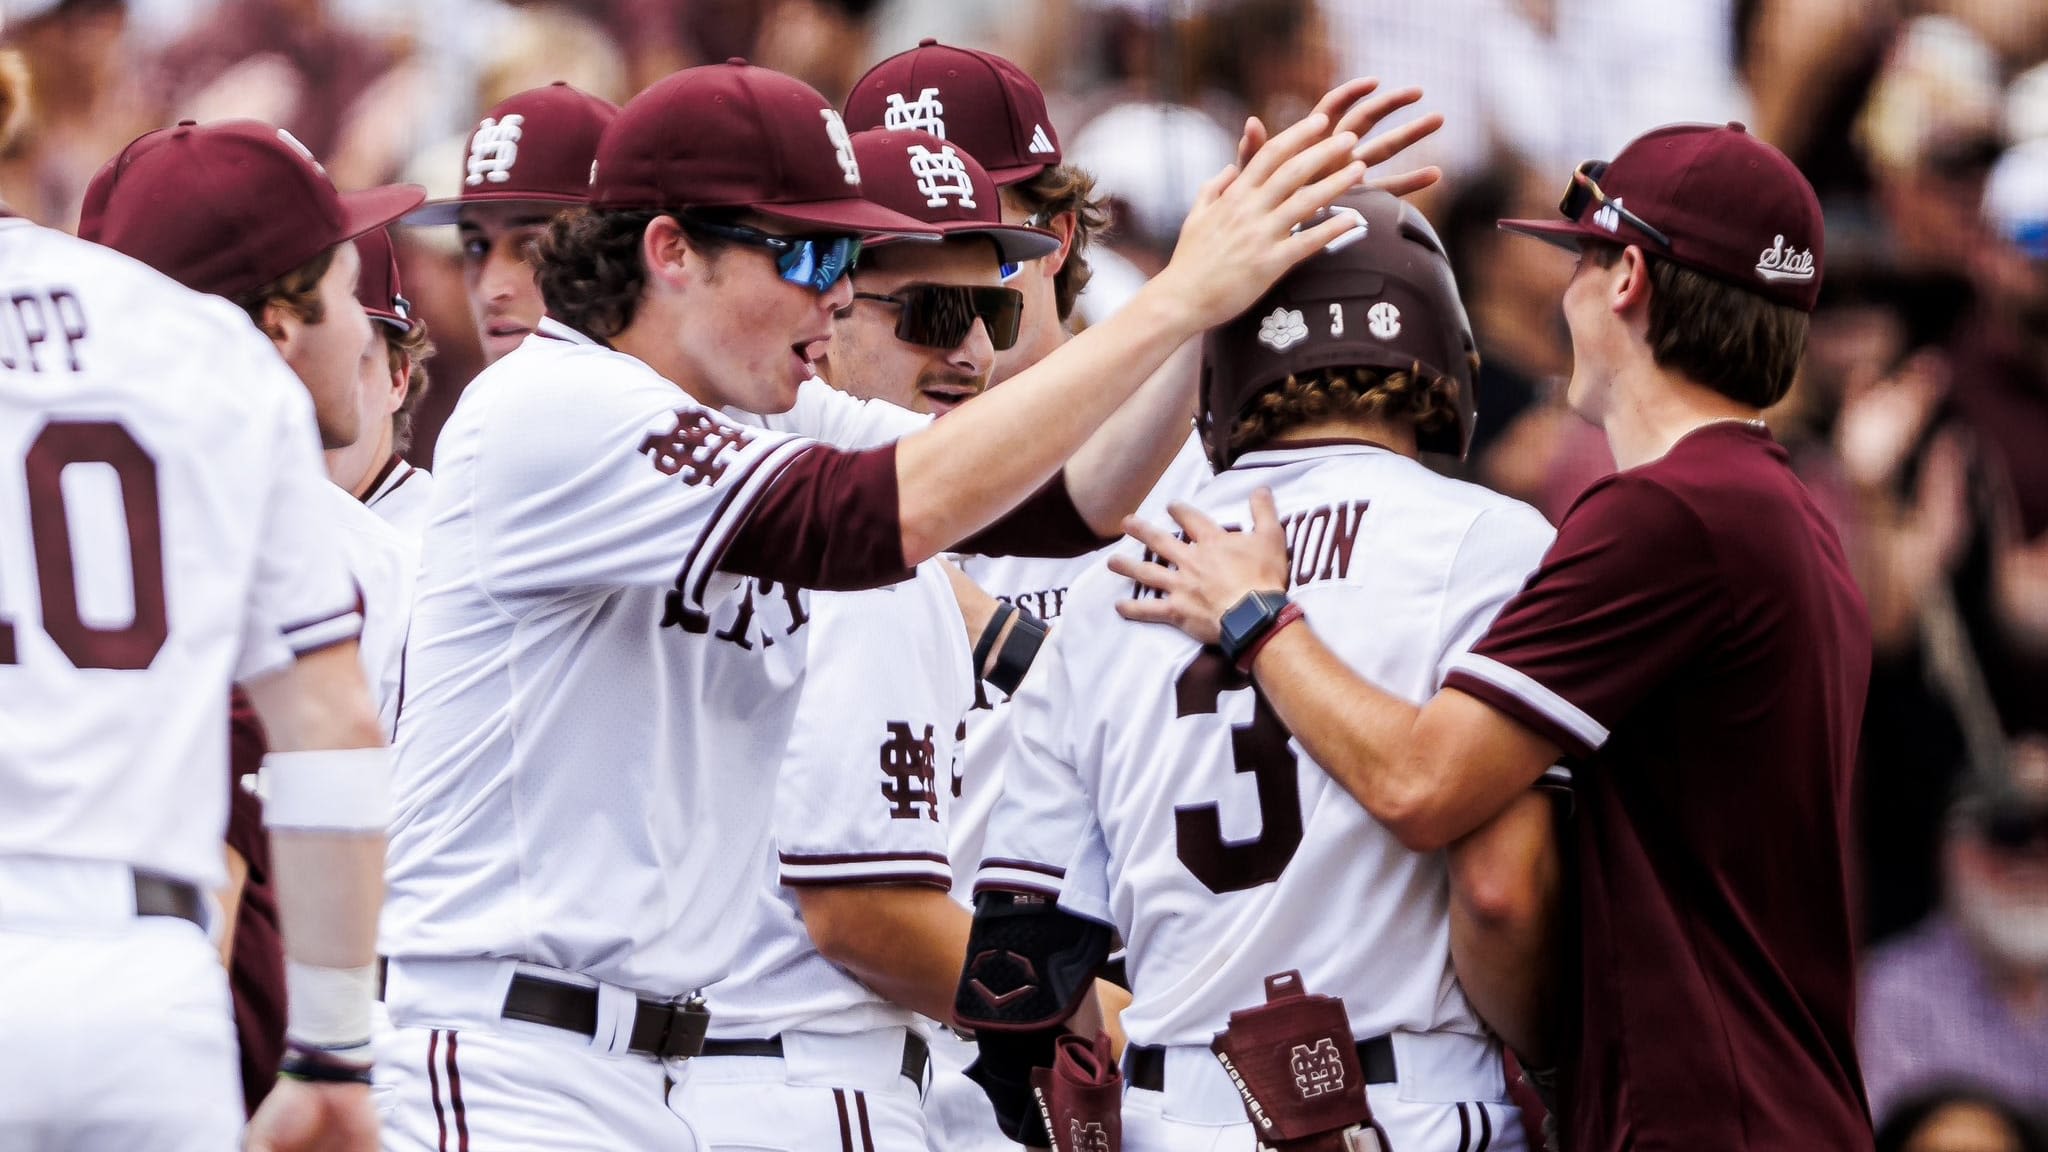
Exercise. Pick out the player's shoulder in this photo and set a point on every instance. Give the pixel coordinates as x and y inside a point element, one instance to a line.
<point>365,537</point>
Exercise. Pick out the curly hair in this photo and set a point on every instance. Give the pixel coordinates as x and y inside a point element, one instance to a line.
<point>297,292</point>
<point>1424,399</point>
<point>410,349</point>
<point>590,271</point>
<point>1061,189</point>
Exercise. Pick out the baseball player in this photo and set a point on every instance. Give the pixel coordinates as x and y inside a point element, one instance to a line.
<point>391,380</point>
<point>529,160</point>
<point>177,200</point>
<point>856,936</point>
<point>1151,791</point>
<point>160,538</point>
<point>1693,642</point>
<point>607,649</point>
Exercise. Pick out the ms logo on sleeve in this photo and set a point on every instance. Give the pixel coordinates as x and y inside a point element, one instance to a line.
<point>697,450</point>
<point>908,762</point>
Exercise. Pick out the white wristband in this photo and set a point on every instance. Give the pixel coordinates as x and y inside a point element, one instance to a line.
<point>342,790</point>
<point>328,1007</point>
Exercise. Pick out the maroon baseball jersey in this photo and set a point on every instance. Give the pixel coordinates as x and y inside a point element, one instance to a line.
<point>1695,643</point>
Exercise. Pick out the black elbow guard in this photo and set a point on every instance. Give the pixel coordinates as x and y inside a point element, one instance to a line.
<point>1028,966</point>
<point>1028,963</point>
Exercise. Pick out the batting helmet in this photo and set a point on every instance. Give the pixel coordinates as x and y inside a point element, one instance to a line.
<point>1380,296</point>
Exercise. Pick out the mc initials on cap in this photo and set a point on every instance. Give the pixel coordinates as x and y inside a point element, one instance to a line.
<point>976,100</point>
<point>735,136</point>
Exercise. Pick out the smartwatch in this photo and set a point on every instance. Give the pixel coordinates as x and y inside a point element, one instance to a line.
<point>1246,622</point>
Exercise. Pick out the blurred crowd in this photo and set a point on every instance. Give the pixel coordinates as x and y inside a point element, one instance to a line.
<point>1920,417</point>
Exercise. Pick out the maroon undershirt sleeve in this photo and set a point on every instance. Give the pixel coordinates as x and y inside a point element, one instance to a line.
<point>1046,524</point>
<point>831,520</point>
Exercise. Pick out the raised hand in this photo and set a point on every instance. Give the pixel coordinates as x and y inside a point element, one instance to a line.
<point>1201,576</point>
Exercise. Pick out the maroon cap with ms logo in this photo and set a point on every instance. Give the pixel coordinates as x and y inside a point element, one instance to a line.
<point>534,147</point>
<point>231,206</point>
<point>1713,198</point>
<point>920,175</point>
<point>976,100</point>
<point>735,136</point>
<point>378,288</point>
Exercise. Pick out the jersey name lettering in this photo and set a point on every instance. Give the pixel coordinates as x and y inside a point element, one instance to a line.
<point>30,319</point>
<point>1319,544</point>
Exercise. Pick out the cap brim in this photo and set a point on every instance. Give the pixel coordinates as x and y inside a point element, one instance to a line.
<point>1018,174</point>
<point>855,215</point>
<point>1015,243</point>
<point>388,317</point>
<point>1566,234</point>
<point>448,209</point>
<point>373,208</point>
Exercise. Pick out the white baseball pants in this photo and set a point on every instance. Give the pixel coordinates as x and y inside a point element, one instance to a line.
<point>119,1033</point>
<point>1452,1097</point>
<point>827,1092</point>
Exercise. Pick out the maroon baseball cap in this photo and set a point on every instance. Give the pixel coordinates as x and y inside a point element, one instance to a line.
<point>378,288</point>
<point>1726,204</point>
<point>977,100</point>
<point>920,175</point>
<point>92,213</point>
<point>535,147</point>
<point>231,206</point>
<point>735,136</point>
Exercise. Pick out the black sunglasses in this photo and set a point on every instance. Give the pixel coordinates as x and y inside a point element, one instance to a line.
<point>815,262</point>
<point>1585,189</point>
<point>941,315</point>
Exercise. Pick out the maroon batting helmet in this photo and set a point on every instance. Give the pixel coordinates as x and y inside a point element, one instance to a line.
<point>1380,296</point>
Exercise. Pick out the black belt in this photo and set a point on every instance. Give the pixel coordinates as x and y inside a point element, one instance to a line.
<point>162,896</point>
<point>663,1030</point>
<point>1145,1065</point>
<point>917,1054</point>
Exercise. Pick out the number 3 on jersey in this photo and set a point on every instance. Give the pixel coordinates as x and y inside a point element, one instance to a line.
<point>134,645</point>
<point>1260,748</point>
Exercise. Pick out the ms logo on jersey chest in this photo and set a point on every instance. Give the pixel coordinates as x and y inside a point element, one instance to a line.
<point>909,764</point>
<point>494,149</point>
<point>696,449</point>
<point>941,175</point>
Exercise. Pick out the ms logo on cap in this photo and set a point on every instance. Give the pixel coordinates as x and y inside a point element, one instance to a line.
<point>939,175</point>
<point>924,114</point>
<point>494,149</point>
<point>835,131</point>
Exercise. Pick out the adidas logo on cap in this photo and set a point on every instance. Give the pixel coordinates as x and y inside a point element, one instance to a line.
<point>1040,142</point>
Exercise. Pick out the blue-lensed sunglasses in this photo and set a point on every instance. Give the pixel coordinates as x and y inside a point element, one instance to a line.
<point>816,262</point>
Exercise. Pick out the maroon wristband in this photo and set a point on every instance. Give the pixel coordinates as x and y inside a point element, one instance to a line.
<point>1288,615</point>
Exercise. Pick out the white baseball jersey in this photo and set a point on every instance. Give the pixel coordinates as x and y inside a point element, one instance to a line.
<point>823,412</point>
<point>1148,785</point>
<point>594,713</point>
<point>860,799</point>
<point>400,495</point>
<point>161,535</point>
<point>382,561</point>
<point>1039,586</point>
